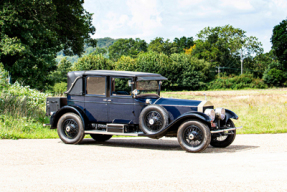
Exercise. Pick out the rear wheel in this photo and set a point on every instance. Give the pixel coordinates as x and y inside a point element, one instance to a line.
<point>99,137</point>
<point>70,128</point>
<point>224,139</point>
<point>193,136</point>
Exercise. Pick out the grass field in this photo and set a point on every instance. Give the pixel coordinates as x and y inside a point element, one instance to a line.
<point>259,111</point>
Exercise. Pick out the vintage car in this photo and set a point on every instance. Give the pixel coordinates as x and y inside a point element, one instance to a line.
<point>104,103</point>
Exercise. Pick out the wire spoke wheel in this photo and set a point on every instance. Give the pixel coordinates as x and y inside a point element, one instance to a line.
<point>193,136</point>
<point>70,128</point>
<point>153,121</point>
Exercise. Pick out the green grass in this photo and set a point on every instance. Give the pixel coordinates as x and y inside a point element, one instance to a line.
<point>259,111</point>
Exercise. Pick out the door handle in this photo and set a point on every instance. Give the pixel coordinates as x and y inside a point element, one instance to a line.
<point>108,100</point>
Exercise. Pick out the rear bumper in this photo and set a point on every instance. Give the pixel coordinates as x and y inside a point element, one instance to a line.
<point>223,130</point>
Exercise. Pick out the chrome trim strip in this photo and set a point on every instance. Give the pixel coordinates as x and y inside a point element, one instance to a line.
<point>112,133</point>
<point>179,105</point>
<point>229,129</point>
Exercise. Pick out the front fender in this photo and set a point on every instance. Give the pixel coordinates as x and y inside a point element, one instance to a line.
<point>189,115</point>
<point>66,109</point>
<point>230,115</point>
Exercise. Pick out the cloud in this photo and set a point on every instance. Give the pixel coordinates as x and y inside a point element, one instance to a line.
<point>148,19</point>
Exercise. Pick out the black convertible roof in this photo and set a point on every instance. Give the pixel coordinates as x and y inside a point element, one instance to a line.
<point>140,76</point>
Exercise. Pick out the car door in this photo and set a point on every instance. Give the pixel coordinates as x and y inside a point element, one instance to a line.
<point>96,101</point>
<point>121,102</point>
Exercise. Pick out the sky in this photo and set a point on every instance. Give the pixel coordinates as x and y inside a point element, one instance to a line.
<point>148,19</point>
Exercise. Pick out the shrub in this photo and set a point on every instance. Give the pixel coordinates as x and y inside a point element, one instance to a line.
<point>275,75</point>
<point>60,88</point>
<point>93,62</point>
<point>237,82</point>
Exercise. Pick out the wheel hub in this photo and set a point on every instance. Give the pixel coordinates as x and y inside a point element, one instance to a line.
<point>191,136</point>
<point>153,120</point>
<point>68,128</point>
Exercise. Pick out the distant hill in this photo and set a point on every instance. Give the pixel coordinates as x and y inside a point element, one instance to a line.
<point>102,43</point>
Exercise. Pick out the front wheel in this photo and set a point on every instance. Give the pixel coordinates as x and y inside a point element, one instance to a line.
<point>224,139</point>
<point>70,128</point>
<point>193,136</point>
<point>99,137</point>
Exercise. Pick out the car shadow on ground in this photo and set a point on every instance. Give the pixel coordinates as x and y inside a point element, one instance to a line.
<point>162,145</point>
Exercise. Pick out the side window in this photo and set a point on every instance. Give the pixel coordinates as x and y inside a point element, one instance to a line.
<point>120,86</point>
<point>96,86</point>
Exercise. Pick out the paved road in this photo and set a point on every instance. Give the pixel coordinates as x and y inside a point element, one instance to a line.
<point>252,163</point>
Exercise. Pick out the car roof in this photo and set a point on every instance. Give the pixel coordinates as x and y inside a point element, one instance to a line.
<point>120,73</point>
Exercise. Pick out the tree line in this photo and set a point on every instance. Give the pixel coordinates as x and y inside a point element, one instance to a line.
<point>34,33</point>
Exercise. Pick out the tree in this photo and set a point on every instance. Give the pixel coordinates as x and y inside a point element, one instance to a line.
<point>225,45</point>
<point>60,75</point>
<point>279,42</point>
<point>32,32</point>
<point>93,62</point>
<point>128,47</point>
<point>183,43</point>
<point>160,45</point>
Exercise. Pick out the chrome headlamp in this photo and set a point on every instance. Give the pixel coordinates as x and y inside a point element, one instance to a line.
<point>210,113</point>
<point>220,113</point>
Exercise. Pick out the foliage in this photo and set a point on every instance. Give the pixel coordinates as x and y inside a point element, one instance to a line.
<point>32,32</point>
<point>193,72</point>
<point>189,51</point>
<point>183,43</point>
<point>126,63</point>
<point>160,45</point>
<point>279,42</point>
<point>258,64</point>
<point>224,46</point>
<point>128,47</point>
<point>93,62</point>
<point>237,82</point>
<point>21,111</point>
<point>105,42</point>
<point>4,84</point>
<point>60,88</point>
<point>275,75</point>
<point>60,75</point>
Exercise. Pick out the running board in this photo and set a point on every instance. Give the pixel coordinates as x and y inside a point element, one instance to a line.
<point>229,129</point>
<point>114,133</point>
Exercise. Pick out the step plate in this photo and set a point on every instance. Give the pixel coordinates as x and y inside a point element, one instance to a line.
<point>113,133</point>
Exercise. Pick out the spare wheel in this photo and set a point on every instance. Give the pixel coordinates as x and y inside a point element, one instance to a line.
<point>153,119</point>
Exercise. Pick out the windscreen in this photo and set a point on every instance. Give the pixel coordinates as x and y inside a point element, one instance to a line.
<point>147,87</point>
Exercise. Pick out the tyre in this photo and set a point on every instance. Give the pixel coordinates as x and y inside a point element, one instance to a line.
<point>224,140</point>
<point>70,128</point>
<point>193,136</point>
<point>153,119</point>
<point>99,137</point>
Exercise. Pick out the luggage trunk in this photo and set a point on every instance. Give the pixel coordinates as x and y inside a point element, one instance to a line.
<point>53,104</point>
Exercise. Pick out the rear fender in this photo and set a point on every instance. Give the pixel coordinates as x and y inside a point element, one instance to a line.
<point>68,109</point>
